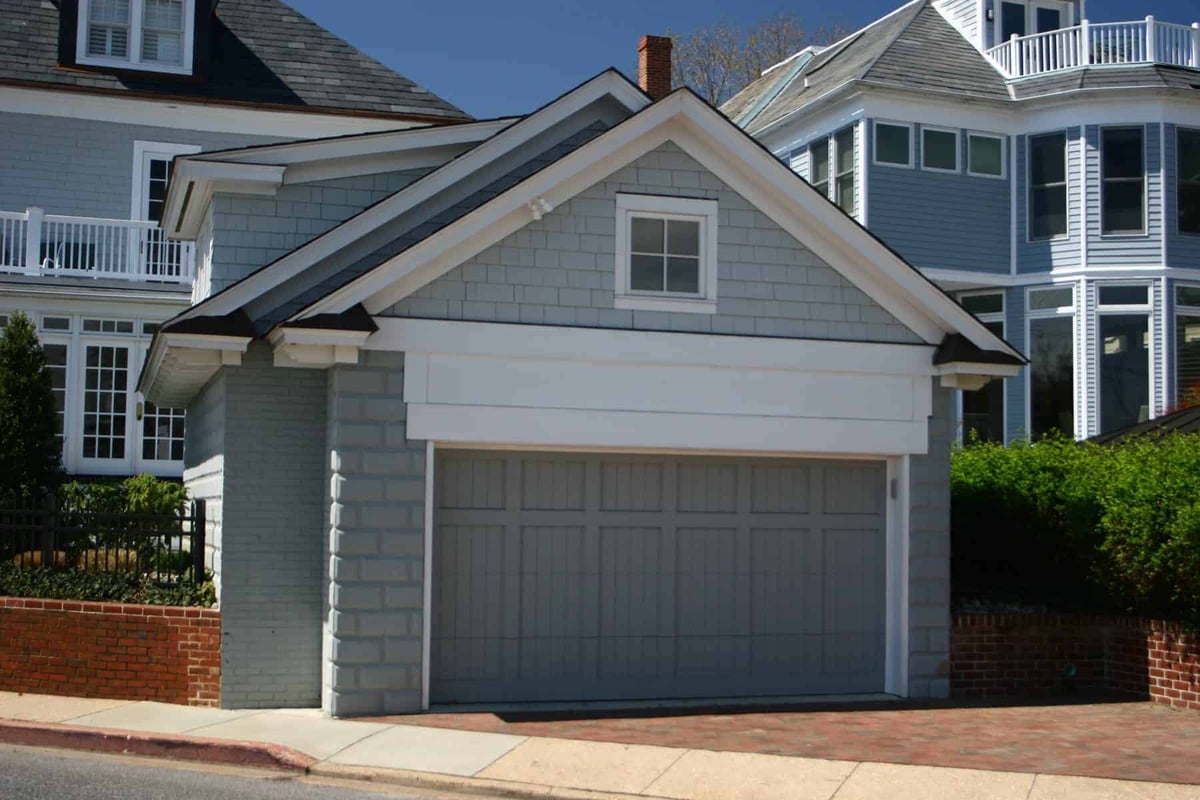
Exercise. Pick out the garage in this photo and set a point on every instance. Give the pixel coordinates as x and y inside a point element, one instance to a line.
<point>572,577</point>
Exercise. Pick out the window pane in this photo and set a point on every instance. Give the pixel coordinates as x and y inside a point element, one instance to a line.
<point>1048,19</point>
<point>1189,181</point>
<point>1012,20</point>
<point>1187,359</point>
<point>683,238</point>
<point>985,155</point>
<point>844,144</point>
<point>647,235</point>
<point>108,29</point>
<point>56,357</point>
<point>892,145</point>
<point>1052,383</point>
<point>939,149</point>
<point>1124,370</point>
<point>818,162</point>
<point>1187,295</point>
<point>646,273</point>
<point>105,401</point>
<point>1049,207</point>
<point>983,303</point>
<point>1122,153</point>
<point>1124,295</point>
<point>845,193</point>
<point>683,275</point>
<point>1047,158</point>
<point>1123,207</point>
<point>1051,298</point>
<point>983,410</point>
<point>164,14</point>
<point>162,48</point>
<point>114,11</point>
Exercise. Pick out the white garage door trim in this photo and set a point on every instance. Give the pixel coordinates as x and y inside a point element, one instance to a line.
<point>896,590</point>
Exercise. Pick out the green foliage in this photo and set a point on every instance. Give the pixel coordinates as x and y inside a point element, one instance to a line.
<point>141,494</point>
<point>30,455</point>
<point>107,587</point>
<point>1080,527</point>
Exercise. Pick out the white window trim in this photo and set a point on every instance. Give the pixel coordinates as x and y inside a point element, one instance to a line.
<point>1003,155</point>
<point>1132,234</point>
<point>875,144</point>
<point>137,196</point>
<point>1029,239</point>
<point>1147,309</point>
<point>1043,313</point>
<point>835,176</point>
<point>957,150</point>
<point>688,208</point>
<point>827,141</point>
<point>134,61</point>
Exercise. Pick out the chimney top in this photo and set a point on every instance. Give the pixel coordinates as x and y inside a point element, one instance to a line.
<point>654,66</point>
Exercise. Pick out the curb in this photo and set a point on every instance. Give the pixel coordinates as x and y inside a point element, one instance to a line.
<point>463,785</point>
<point>136,743</point>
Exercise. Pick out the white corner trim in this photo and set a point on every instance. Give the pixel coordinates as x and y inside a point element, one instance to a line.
<point>427,583</point>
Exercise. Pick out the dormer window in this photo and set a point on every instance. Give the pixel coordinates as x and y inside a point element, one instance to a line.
<point>150,35</point>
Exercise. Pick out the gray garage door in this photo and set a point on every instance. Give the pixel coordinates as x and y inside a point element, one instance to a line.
<point>588,577</point>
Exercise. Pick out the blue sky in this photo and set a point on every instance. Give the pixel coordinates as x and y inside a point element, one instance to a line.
<point>493,58</point>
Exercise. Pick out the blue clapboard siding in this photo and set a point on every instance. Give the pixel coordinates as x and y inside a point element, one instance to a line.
<point>1042,256</point>
<point>1014,392</point>
<point>1183,250</point>
<point>1130,250</point>
<point>938,220</point>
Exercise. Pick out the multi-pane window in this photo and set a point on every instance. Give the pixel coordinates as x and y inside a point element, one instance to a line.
<point>666,259</point>
<point>137,34</point>
<point>1124,350</point>
<point>818,166</point>
<point>1123,181</point>
<point>983,410</point>
<point>939,150</point>
<point>162,433</point>
<point>664,256</point>
<point>985,155</point>
<point>56,358</point>
<point>1052,361</point>
<point>843,152</point>
<point>893,144</point>
<point>108,28</point>
<point>162,31</point>
<point>1048,186</point>
<point>107,326</point>
<point>157,179</point>
<point>105,400</point>
<point>1188,166</point>
<point>1187,345</point>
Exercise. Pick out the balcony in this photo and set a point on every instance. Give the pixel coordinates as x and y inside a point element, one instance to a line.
<point>35,243</point>
<point>1106,44</point>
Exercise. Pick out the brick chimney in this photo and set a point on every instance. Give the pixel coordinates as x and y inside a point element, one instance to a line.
<point>654,66</point>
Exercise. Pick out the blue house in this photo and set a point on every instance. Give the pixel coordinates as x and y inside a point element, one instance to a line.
<point>1042,167</point>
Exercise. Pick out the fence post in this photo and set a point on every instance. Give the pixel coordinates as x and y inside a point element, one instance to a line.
<point>47,534</point>
<point>34,219</point>
<point>199,532</point>
<point>1015,46</point>
<point>1151,40</point>
<point>1195,45</point>
<point>1085,43</point>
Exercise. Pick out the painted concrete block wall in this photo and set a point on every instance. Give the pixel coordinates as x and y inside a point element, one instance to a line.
<point>376,542</point>
<point>273,530</point>
<point>929,557</point>
<point>250,232</point>
<point>560,270</point>
<point>83,167</point>
<point>1133,249</point>
<point>204,465</point>
<point>939,220</point>
<point>1044,255</point>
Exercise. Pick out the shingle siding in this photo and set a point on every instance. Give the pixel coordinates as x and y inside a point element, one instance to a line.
<point>963,15</point>
<point>560,270</point>
<point>938,220</point>
<point>82,167</point>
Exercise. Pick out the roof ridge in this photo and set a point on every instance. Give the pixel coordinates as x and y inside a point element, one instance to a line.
<point>921,6</point>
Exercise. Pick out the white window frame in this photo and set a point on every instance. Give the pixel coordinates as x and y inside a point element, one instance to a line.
<point>1000,316</point>
<point>1043,313</point>
<point>1146,308</point>
<point>667,208</point>
<point>835,176</point>
<point>134,61</point>
<point>1131,234</point>
<point>1003,155</point>
<point>957,149</point>
<point>875,143</point>
<point>1066,235</point>
<point>139,197</point>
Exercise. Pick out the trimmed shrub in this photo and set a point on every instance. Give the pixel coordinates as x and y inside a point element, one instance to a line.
<point>104,587</point>
<point>30,455</point>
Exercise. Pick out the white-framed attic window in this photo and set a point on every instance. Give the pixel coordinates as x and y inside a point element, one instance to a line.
<point>149,35</point>
<point>666,254</point>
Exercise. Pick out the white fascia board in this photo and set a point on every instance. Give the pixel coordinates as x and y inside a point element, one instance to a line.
<point>258,283</point>
<point>200,168</point>
<point>207,351</point>
<point>317,336</point>
<point>550,342</point>
<point>195,180</point>
<point>85,298</point>
<point>972,368</point>
<point>206,341</point>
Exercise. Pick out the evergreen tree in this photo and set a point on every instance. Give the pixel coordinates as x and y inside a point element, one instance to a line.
<point>30,454</point>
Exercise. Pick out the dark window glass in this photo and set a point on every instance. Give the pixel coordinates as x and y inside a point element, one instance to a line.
<point>1048,186</point>
<point>983,303</point>
<point>1051,298</point>
<point>1189,181</point>
<point>818,166</point>
<point>1052,376</point>
<point>665,255</point>
<point>1124,370</point>
<point>1187,295</point>
<point>1123,179</point>
<point>1048,19</point>
<point>843,145</point>
<point>985,155</point>
<point>1124,295</point>
<point>983,410</point>
<point>893,144</point>
<point>939,149</point>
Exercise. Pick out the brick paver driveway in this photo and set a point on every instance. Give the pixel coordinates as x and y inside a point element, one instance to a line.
<point>1131,741</point>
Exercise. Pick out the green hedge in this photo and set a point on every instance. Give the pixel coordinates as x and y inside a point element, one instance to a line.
<point>103,587</point>
<point>1079,527</point>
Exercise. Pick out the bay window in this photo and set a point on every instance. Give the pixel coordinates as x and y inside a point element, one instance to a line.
<point>1047,186</point>
<point>1188,177</point>
<point>1187,345</point>
<point>1122,181</point>
<point>1052,361</point>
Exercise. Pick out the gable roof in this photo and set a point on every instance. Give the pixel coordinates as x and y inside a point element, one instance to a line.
<point>268,54</point>
<point>913,47</point>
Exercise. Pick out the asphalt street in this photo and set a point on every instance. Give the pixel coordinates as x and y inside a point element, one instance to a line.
<point>37,774</point>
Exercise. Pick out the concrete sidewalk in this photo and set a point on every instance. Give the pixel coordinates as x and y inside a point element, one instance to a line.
<point>543,767</point>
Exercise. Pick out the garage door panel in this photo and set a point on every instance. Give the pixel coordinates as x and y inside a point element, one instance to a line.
<point>711,582</point>
<point>557,596</point>
<point>472,484</point>
<point>787,581</point>
<point>853,489</point>
<point>781,489</point>
<point>553,485</point>
<point>631,486</point>
<point>707,487</point>
<point>637,585</point>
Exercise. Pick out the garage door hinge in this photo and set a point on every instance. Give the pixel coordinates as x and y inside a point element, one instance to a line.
<point>894,488</point>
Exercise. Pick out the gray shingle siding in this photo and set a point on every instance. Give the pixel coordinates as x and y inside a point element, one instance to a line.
<point>82,167</point>
<point>560,270</point>
<point>938,220</point>
<point>250,232</point>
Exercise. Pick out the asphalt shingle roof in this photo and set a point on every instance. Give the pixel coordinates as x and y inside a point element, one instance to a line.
<point>263,52</point>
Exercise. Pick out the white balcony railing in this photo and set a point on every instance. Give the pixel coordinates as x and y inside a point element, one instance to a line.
<point>1099,45</point>
<point>35,243</point>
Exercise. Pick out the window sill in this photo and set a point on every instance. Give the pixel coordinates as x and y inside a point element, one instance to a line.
<point>1120,235</point>
<point>685,305</point>
<point>126,65</point>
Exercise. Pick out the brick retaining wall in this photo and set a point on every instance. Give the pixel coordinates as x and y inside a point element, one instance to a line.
<point>111,650</point>
<point>1030,655</point>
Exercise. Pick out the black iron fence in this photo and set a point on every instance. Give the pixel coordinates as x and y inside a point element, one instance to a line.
<point>165,548</point>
